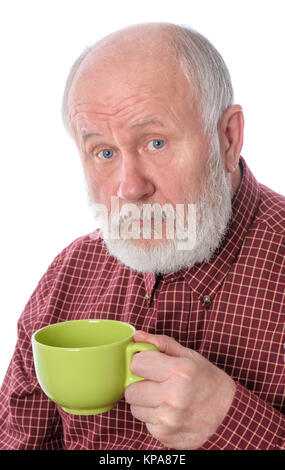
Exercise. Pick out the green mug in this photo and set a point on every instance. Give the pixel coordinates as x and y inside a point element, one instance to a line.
<point>84,365</point>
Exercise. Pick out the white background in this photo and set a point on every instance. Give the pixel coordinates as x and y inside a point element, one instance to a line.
<point>43,202</point>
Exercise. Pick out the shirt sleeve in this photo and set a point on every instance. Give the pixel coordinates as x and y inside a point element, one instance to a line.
<point>28,419</point>
<point>250,424</point>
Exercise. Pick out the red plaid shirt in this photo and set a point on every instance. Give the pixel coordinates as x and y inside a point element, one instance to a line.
<point>230,310</point>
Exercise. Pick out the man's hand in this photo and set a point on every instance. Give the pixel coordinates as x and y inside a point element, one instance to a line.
<point>185,397</point>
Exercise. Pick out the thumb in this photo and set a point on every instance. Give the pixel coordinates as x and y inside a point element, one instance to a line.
<point>164,343</point>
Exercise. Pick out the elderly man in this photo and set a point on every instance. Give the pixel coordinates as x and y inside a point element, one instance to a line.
<point>151,110</point>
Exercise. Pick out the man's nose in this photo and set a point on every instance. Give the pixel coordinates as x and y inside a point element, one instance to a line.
<point>134,184</point>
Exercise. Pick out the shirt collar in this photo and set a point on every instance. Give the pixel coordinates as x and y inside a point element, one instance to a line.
<point>206,277</point>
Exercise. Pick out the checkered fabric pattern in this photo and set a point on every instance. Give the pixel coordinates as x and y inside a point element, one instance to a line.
<point>230,310</point>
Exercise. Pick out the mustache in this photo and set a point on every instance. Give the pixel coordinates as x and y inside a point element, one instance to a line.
<point>146,213</point>
<point>147,216</point>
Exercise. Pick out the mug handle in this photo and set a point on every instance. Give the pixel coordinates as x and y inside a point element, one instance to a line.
<point>131,350</point>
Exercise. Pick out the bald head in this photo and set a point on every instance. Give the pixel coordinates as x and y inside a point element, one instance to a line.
<point>122,54</point>
<point>148,39</point>
<point>133,59</point>
<point>159,48</point>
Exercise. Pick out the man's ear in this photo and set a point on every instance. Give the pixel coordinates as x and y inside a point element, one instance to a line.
<point>231,136</point>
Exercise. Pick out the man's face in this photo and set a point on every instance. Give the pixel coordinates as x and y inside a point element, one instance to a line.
<point>139,134</point>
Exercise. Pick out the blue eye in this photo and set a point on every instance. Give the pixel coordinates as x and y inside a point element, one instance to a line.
<point>106,154</point>
<point>156,144</point>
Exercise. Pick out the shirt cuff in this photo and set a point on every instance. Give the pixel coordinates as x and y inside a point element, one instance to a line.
<point>250,424</point>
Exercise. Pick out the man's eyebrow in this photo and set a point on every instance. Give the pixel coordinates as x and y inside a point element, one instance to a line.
<point>147,122</point>
<point>86,135</point>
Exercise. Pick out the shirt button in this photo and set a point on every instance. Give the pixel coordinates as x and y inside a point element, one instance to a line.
<point>146,296</point>
<point>207,300</point>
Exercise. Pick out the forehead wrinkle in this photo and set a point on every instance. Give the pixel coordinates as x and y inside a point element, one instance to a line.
<point>135,113</point>
<point>106,110</point>
<point>137,122</point>
<point>131,111</point>
<point>148,121</point>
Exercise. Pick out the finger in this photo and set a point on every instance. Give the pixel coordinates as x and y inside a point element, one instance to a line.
<point>145,393</point>
<point>153,365</point>
<point>146,415</point>
<point>164,343</point>
<point>162,434</point>
<point>160,421</point>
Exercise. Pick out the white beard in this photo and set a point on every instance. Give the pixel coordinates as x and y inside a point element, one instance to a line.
<point>213,213</point>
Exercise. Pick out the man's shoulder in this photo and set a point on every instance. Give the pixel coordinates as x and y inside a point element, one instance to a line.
<point>93,241</point>
<point>271,210</point>
<point>89,247</point>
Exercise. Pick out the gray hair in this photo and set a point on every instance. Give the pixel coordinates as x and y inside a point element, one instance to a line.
<point>202,65</point>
